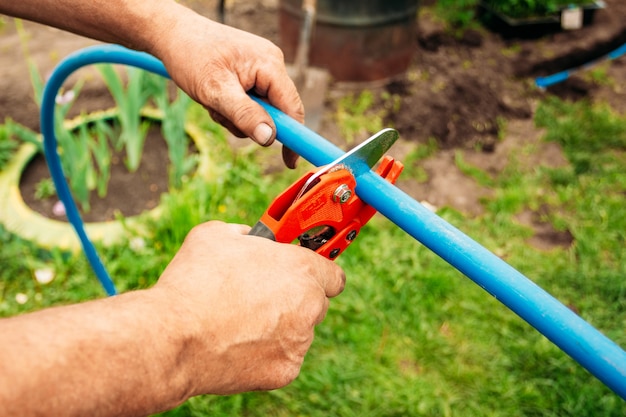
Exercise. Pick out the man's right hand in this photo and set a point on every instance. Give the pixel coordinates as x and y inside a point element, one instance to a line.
<point>248,305</point>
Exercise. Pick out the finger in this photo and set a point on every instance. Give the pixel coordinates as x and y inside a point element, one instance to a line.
<point>330,276</point>
<point>290,158</point>
<point>322,315</point>
<point>225,228</point>
<point>246,115</point>
<point>226,123</point>
<point>284,96</point>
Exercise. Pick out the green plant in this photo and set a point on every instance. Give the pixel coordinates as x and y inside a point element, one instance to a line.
<point>100,150</point>
<point>129,101</point>
<point>599,75</point>
<point>12,134</point>
<point>86,150</point>
<point>23,134</point>
<point>44,189</point>
<point>532,8</point>
<point>173,130</point>
<point>459,14</point>
<point>8,145</point>
<point>357,115</point>
<point>76,162</point>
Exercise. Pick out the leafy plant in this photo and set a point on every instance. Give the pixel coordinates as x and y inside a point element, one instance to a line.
<point>100,149</point>
<point>8,145</point>
<point>75,150</point>
<point>44,189</point>
<point>129,101</point>
<point>173,130</point>
<point>460,14</point>
<point>24,134</point>
<point>12,134</point>
<point>531,8</point>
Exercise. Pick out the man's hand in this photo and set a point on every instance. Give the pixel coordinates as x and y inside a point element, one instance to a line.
<point>218,65</point>
<point>253,305</point>
<point>231,313</point>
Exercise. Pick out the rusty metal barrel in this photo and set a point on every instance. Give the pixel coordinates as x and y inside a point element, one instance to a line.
<point>356,41</point>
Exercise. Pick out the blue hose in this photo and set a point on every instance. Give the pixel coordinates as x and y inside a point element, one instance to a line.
<point>594,351</point>
<point>98,54</point>
<point>550,80</point>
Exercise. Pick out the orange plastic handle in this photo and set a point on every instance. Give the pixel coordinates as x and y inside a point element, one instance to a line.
<point>329,214</point>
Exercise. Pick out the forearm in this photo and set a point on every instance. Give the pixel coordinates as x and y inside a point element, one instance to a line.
<point>136,24</point>
<point>211,325</point>
<point>112,357</point>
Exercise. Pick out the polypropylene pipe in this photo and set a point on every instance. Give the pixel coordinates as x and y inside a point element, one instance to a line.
<point>559,77</point>
<point>594,351</point>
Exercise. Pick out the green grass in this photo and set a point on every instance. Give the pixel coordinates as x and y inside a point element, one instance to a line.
<point>411,336</point>
<point>361,115</point>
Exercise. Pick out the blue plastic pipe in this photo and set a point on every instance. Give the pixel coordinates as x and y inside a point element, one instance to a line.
<point>88,56</point>
<point>559,77</point>
<point>585,344</point>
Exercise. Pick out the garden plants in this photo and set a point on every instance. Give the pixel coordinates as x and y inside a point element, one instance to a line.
<point>129,102</point>
<point>524,9</point>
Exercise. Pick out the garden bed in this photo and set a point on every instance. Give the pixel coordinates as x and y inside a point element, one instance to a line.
<point>132,193</point>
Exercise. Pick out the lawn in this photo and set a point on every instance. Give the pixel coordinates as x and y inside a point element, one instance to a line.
<point>410,335</point>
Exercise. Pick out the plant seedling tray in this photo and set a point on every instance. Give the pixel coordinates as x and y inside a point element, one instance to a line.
<point>532,27</point>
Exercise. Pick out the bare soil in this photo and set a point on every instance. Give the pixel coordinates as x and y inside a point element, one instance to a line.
<point>143,187</point>
<point>457,91</point>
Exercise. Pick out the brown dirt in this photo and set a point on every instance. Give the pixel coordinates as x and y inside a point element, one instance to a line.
<point>457,90</point>
<point>143,187</point>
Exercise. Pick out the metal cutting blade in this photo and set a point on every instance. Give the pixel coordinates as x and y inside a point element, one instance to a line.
<point>359,159</point>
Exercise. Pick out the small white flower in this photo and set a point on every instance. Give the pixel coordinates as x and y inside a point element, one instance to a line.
<point>58,209</point>
<point>44,275</point>
<point>61,99</point>
<point>137,244</point>
<point>21,298</point>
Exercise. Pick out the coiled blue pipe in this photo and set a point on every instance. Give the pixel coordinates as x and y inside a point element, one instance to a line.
<point>88,56</point>
<point>594,351</point>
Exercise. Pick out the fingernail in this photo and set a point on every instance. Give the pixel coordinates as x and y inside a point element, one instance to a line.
<point>263,134</point>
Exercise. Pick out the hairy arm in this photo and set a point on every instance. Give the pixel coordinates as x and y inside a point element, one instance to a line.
<point>213,63</point>
<point>217,324</point>
<point>127,22</point>
<point>106,357</point>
